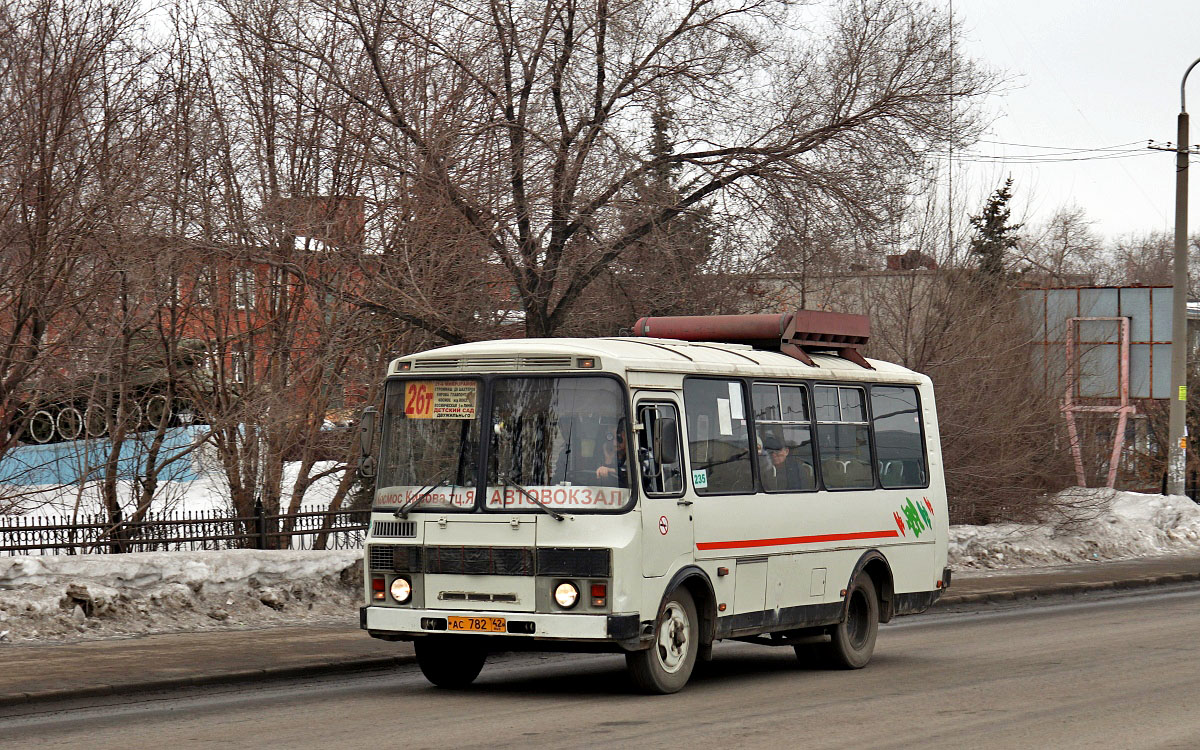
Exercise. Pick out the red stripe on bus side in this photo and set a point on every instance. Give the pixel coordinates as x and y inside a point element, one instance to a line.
<point>799,540</point>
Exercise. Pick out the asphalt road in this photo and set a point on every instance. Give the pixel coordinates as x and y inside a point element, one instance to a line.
<point>1116,673</point>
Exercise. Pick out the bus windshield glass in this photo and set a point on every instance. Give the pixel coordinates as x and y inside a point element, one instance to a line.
<point>430,449</point>
<point>561,440</point>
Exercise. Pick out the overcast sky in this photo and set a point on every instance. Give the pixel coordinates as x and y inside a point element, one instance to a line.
<point>1095,74</point>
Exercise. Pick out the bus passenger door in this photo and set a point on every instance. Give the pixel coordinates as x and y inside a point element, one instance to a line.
<point>666,513</point>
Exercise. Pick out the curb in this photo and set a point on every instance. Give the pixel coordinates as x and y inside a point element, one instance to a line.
<point>1063,589</point>
<point>205,680</point>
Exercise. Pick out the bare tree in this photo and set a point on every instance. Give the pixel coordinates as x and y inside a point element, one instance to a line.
<point>58,69</point>
<point>1063,251</point>
<point>1144,259</point>
<point>527,123</point>
<point>268,170</point>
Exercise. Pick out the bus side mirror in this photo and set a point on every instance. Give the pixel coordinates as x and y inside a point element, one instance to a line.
<point>366,441</point>
<point>668,434</point>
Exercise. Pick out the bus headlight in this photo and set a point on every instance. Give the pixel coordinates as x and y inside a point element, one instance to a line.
<point>401,590</point>
<point>566,595</point>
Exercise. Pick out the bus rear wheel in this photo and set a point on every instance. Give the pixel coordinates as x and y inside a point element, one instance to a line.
<point>449,662</point>
<point>666,666</point>
<point>852,641</point>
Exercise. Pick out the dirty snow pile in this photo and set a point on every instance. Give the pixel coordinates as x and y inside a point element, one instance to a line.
<point>90,596</point>
<point>1109,525</point>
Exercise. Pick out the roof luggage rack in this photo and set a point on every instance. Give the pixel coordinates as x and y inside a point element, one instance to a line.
<point>794,334</point>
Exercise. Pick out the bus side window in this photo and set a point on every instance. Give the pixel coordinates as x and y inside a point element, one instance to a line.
<point>659,455</point>
<point>843,437</point>
<point>718,436</point>
<point>899,448</point>
<point>784,438</point>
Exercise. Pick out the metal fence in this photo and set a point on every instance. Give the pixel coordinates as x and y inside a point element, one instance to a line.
<point>310,528</point>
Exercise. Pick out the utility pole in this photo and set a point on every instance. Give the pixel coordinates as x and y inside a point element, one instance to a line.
<point>1177,428</point>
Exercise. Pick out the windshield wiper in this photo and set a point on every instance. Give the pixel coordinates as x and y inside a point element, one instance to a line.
<point>426,491</point>
<point>532,498</point>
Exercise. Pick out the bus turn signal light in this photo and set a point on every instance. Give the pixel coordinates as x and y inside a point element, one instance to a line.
<point>599,594</point>
<point>378,588</point>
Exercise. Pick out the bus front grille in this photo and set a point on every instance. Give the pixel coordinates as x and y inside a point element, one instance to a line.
<point>492,363</point>
<point>380,557</point>
<point>395,529</point>
<point>567,562</point>
<point>499,561</point>
<point>396,558</point>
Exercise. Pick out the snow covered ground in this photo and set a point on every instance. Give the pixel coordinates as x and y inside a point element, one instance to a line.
<point>1112,525</point>
<point>209,492</point>
<point>91,596</point>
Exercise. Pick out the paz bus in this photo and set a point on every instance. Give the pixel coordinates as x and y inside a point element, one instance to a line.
<point>747,477</point>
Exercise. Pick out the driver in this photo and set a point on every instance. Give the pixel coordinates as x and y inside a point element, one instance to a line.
<point>612,467</point>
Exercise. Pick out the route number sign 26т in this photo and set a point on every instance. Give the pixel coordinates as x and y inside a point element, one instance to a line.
<point>441,399</point>
<point>418,401</point>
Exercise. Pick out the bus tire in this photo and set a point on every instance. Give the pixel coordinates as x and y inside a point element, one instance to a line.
<point>449,662</point>
<point>666,666</point>
<point>852,641</point>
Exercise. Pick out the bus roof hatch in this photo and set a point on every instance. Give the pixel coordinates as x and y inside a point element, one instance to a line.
<point>794,334</point>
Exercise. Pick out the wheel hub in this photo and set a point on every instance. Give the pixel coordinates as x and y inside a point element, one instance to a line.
<point>673,643</point>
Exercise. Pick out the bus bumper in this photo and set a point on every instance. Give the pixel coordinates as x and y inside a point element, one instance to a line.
<point>393,621</point>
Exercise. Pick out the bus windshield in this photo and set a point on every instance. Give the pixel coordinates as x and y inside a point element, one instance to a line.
<point>561,440</point>
<point>430,447</point>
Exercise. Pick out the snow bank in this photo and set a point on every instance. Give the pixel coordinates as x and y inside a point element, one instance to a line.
<point>71,597</point>
<point>1123,525</point>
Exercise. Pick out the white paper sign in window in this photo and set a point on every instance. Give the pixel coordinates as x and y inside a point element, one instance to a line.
<point>735,401</point>
<point>724,422</point>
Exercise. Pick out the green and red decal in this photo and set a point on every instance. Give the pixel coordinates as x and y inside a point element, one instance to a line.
<point>915,515</point>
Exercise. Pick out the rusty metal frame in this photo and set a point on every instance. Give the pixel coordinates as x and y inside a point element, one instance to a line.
<point>794,334</point>
<point>1071,407</point>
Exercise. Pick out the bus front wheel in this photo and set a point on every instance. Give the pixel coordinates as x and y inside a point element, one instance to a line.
<point>666,666</point>
<point>852,641</point>
<point>449,662</point>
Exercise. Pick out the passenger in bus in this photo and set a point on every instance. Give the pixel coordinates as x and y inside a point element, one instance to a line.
<point>777,471</point>
<point>613,470</point>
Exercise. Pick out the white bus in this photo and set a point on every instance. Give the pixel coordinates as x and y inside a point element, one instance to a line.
<point>729,477</point>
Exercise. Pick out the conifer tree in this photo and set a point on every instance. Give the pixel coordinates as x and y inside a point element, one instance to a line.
<point>994,235</point>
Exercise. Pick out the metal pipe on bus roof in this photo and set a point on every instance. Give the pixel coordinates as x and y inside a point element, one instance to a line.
<point>756,330</point>
<point>789,333</point>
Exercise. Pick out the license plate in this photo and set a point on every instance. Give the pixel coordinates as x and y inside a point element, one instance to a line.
<point>478,624</point>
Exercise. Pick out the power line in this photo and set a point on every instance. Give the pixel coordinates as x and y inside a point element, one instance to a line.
<point>978,158</point>
<point>1062,148</point>
<point>1073,152</point>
